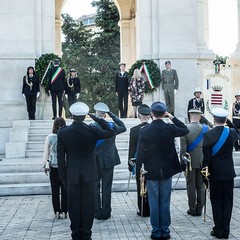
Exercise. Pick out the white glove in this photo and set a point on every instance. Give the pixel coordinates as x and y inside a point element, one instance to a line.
<point>77,95</point>
<point>23,95</point>
<point>175,91</point>
<point>66,96</point>
<point>38,94</point>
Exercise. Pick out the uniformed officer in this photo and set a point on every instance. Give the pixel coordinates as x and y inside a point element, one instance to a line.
<point>73,87</point>
<point>198,103</point>
<point>121,85</point>
<point>77,167</point>
<point>217,156</point>
<point>107,157</point>
<point>56,87</point>
<point>192,144</point>
<point>156,149</point>
<point>170,84</point>
<point>144,115</point>
<point>236,117</point>
<point>31,91</point>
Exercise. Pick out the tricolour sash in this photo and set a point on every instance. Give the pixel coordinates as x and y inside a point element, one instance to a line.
<point>56,74</point>
<point>220,141</point>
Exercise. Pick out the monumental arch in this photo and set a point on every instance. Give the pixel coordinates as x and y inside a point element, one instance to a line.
<point>159,29</point>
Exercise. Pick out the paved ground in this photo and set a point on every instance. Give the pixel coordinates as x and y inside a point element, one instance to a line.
<point>32,218</point>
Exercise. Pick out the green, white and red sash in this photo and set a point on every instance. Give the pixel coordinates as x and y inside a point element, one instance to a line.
<point>145,70</point>
<point>56,74</point>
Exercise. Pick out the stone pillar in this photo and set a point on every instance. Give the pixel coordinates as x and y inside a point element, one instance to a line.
<point>155,29</point>
<point>58,42</point>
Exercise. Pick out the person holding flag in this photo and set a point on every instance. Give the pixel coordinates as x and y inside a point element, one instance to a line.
<point>56,87</point>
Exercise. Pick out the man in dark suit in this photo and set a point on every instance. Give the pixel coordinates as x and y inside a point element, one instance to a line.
<point>156,150</point>
<point>107,157</point>
<point>77,167</point>
<point>192,144</point>
<point>121,85</point>
<point>144,115</point>
<point>217,157</point>
<point>56,87</point>
<point>170,84</point>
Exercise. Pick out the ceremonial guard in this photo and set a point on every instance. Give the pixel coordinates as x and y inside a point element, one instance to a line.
<point>56,86</point>
<point>31,91</point>
<point>198,103</point>
<point>73,87</point>
<point>107,157</point>
<point>236,117</point>
<point>144,115</point>
<point>170,84</point>
<point>218,162</point>
<point>77,167</point>
<point>157,151</point>
<point>121,85</point>
<point>191,145</point>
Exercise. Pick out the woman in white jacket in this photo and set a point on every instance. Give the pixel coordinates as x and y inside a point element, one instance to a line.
<point>50,158</point>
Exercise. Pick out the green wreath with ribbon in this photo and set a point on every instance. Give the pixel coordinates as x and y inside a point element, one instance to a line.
<point>151,71</point>
<point>41,66</point>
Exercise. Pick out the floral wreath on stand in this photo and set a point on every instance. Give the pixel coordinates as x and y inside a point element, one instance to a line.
<point>151,71</point>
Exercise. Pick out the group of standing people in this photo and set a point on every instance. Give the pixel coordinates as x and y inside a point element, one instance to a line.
<point>58,86</point>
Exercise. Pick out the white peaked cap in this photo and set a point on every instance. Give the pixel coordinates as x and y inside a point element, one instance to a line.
<point>79,109</point>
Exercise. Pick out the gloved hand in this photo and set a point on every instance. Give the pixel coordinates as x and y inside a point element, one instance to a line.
<point>94,117</point>
<point>77,95</point>
<point>38,94</point>
<point>111,115</point>
<point>175,91</point>
<point>66,96</point>
<point>23,95</point>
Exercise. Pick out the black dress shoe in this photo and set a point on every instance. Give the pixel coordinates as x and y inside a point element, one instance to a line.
<point>138,213</point>
<point>214,235</point>
<point>165,237</point>
<point>191,213</point>
<point>155,238</point>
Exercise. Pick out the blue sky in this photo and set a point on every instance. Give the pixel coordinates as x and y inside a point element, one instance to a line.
<point>222,22</point>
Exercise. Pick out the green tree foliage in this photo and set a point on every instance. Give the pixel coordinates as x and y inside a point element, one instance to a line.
<point>220,60</point>
<point>95,56</point>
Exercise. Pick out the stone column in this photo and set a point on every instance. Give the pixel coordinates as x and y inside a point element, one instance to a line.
<point>155,29</point>
<point>236,54</point>
<point>200,24</point>
<point>58,42</point>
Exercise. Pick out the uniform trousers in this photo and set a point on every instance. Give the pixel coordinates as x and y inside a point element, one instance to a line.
<point>221,196</point>
<point>81,199</point>
<point>169,100</point>
<point>31,106</point>
<point>56,186</point>
<point>195,191</point>
<point>103,204</point>
<point>123,103</point>
<point>57,94</point>
<point>159,194</point>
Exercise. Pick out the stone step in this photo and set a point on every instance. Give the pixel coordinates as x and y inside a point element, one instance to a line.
<point>39,145</point>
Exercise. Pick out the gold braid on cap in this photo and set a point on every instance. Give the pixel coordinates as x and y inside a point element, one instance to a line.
<point>30,84</point>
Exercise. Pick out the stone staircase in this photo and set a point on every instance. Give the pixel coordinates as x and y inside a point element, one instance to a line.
<point>24,176</point>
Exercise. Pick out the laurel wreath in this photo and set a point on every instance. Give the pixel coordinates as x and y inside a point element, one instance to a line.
<point>225,106</point>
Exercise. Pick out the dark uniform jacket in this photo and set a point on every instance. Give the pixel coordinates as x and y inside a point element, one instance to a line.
<point>221,165</point>
<point>195,104</point>
<point>169,80</point>
<point>73,86</point>
<point>156,148</point>
<point>122,82</point>
<point>59,84</point>
<point>75,151</point>
<point>106,150</point>
<point>133,140</point>
<point>28,90</point>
